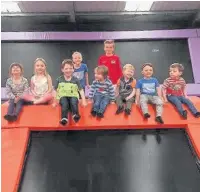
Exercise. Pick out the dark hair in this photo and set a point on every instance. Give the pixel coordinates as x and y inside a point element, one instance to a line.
<point>68,62</point>
<point>178,66</point>
<point>146,64</point>
<point>103,70</point>
<point>17,65</point>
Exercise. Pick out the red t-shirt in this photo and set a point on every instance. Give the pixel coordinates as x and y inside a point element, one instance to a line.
<point>174,86</point>
<point>114,67</point>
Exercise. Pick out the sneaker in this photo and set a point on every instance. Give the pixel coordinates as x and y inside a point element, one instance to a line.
<point>127,111</point>
<point>159,119</point>
<point>76,118</point>
<point>184,115</point>
<point>14,118</point>
<point>93,113</point>
<point>119,110</point>
<point>100,115</point>
<point>146,116</point>
<point>197,115</point>
<point>8,117</point>
<point>64,121</point>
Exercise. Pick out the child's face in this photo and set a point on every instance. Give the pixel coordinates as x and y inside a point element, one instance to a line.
<point>40,67</point>
<point>77,59</point>
<point>128,73</point>
<point>16,70</point>
<point>68,70</point>
<point>109,48</point>
<point>98,76</point>
<point>147,71</point>
<point>174,72</point>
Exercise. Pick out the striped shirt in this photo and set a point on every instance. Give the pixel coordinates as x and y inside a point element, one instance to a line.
<point>13,90</point>
<point>105,88</point>
<point>174,87</point>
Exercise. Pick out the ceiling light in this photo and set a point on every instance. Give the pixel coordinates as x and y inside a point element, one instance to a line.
<point>138,5</point>
<point>10,7</point>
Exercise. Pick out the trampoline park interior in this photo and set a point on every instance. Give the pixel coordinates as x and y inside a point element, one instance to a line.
<point>116,153</point>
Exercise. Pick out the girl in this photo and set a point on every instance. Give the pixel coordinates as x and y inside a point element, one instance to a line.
<point>80,70</point>
<point>16,87</point>
<point>41,90</point>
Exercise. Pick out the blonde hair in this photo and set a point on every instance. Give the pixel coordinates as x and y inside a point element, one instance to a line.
<point>103,70</point>
<point>109,42</point>
<point>128,66</point>
<point>43,61</point>
<point>178,66</point>
<point>17,65</point>
<point>77,53</point>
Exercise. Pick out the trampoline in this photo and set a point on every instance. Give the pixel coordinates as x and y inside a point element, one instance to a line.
<point>105,161</point>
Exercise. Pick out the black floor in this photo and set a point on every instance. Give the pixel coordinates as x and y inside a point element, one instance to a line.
<point>110,161</point>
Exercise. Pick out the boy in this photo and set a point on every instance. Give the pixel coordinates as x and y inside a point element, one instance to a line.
<point>111,61</point>
<point>80,70</point>
<point>148,90</point>
<point>68,88</point>
<point>126,90</point>
<point>174,91</point>
<point>102,92</point>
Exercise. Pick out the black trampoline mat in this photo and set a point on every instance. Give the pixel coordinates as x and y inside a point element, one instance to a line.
<point>110,161</point>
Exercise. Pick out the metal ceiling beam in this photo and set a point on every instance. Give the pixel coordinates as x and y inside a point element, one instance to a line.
<point>73,14</point>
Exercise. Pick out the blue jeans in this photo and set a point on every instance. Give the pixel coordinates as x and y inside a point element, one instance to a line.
<point>100,103</point>
<point>177,102</point>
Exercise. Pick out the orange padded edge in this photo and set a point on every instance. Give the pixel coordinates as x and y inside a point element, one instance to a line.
<point>47,118</point>
<point>13,148</point>
<point>194,134</point>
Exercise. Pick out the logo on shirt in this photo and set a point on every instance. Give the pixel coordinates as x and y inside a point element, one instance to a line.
<point>149,88</point>
<point>101,89</point>
<point>113,62</point>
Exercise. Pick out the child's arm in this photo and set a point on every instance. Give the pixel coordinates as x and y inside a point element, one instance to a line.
<point>9,92</point>
<point>32,88</point>
<point>117,88</point>
<point>26,87</point>
<point>164,87</point>
<point>50,86</point>
<point>159,92</point>
<point>83,97</point>
<point>119,67</point>
<point>133,92</point>
<point>55,100</point>
<point>112,93</point>
<point>137,98</point>
<point>92,90</point>
<point>87,80</point>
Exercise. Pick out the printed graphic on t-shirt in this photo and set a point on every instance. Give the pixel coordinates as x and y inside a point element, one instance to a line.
<point>79,75</point>
<point>113,62</point>
<point>176,87</point>
<point>148,87</point>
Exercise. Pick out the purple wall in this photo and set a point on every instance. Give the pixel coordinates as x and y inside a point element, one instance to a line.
<point>91,36</point>
<point>194,47</point>
<point>198,32</point>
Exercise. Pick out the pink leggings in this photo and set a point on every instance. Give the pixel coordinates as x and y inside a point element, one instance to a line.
<point>44,99</point>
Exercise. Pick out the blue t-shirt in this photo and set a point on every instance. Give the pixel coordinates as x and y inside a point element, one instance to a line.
<point>80,74</point>
<point>147,86</point>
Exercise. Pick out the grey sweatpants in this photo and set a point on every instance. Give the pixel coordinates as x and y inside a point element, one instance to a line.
<point>145,99</point>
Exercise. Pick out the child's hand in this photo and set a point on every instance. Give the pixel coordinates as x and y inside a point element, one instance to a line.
<point>112,102</point>
<point>127,98</point>
<point>36,97</point>
<point>89,100</point>
<point>17,99</point>
<point>165,100</point>
<point>88,86</point>
<point>186,97</point>
<point>54,104</point>
<point>84,103</point>
<point>137,103</point>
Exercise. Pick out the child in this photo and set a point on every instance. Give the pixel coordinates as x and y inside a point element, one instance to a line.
<point>68,88</point>
<point>16,87</point>
<point>148,90</point>
<point>126,90</point>
<point>101,91</point>
<point>80,70</point>
<point>111,61</point>
<point>41,90</point>
<point>174,91</point>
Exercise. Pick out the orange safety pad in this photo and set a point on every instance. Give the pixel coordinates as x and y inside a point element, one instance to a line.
<point>47,118</point>
<point>13,148</point>
<point>193,131</point>
<point>135,120</point>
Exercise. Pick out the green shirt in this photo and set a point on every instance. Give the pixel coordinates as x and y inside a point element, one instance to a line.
<point>67,88</point>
